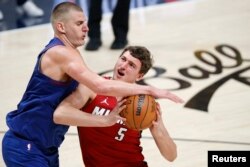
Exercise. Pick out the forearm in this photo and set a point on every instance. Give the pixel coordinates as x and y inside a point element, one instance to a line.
<point>104,86</point>
<point>119,88</point>
<point>165,144</point>
<point>75,117</point>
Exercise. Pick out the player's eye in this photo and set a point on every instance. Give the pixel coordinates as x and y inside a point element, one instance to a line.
<point>123,58</point>
<point>132,65</point>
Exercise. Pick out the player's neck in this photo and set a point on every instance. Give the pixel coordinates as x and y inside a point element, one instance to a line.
<point>65,41</point>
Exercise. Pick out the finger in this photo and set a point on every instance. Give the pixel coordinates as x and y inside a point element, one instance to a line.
<point>120,98</point>
<point>158,114</point>
<point>174,98</point>
<point>121,118</point>
<point>158,109</point>
<point>157,106</point>
<point>120,103</point>
<point>121,108</point>
<point>178,100</point>
<point>154,123</point>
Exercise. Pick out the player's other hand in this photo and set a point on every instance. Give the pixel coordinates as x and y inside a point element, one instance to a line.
<point>114,115</point>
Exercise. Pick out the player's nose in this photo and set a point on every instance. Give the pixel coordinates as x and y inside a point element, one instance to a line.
<point>85,28</point>
<point>124,65</point>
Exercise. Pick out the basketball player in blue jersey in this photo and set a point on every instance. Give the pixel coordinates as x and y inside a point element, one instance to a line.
<point>33,138</point>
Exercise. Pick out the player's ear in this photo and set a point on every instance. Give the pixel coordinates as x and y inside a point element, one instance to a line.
<point>60,27</point>
<point>139,77</point>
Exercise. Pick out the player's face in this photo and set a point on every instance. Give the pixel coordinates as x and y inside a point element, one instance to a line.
<point>127,68</point>
<point>76,28</point>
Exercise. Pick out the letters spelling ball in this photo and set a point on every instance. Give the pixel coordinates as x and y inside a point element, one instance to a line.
<point>140,111</point>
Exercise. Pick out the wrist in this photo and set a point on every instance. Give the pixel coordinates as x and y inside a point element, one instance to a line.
<point>150,90</point>
<point>104,122</point>
<point>101,121</point>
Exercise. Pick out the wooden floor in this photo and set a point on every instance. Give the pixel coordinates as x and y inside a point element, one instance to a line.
<point>202,53</point>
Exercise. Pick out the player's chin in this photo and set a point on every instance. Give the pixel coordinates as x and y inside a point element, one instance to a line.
<point>81,40</point>
<point>80,43</point>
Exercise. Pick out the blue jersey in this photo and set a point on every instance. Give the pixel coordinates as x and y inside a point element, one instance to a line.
<point>33,119</point>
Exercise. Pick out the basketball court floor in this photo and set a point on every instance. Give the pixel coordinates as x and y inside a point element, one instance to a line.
<point>201,51</point>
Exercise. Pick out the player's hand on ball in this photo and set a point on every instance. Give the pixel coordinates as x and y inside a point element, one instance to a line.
<point>114,116</point>
<point>139,111</point>
<point>158,123</point>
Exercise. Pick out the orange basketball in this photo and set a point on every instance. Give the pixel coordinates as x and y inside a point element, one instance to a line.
<point>139,111</point>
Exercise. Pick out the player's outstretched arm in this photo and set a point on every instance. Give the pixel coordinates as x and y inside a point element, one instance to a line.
<point>78,70</point>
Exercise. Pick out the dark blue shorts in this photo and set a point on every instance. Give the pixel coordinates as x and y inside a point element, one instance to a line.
<point>19,152</point>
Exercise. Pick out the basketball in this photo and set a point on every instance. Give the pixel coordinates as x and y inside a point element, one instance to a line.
<point>139,111</point>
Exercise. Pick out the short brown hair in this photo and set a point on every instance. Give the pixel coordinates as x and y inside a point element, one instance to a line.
<point>142,54</point>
